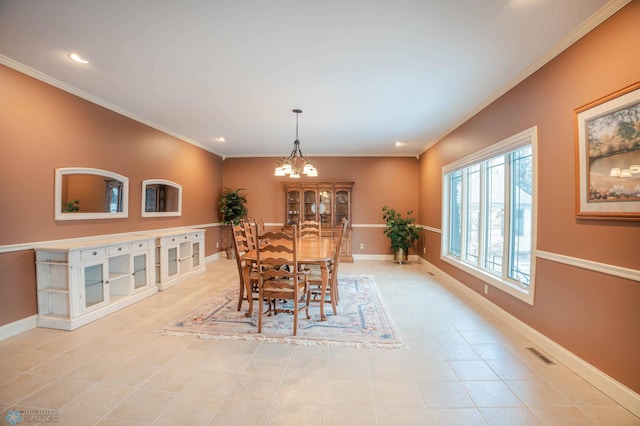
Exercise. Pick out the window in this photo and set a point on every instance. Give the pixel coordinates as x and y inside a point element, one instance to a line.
<point>489,214</point>
<point>114,195</point>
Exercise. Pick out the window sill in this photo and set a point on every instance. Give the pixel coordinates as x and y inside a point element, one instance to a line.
<point>526,295</point>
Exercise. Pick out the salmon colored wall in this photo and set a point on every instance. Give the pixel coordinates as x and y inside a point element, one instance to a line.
<point>594,315</point>
<point>43,128</point>
<point>378,181</point>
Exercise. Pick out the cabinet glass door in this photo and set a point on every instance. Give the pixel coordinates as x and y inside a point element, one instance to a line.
<point>94,285</point>
<point>172,256</point>
<point>139,271</point>
<point>293,207</point>
<point>342,206</point>
<point>325,208</point>
<point>195,257</point>
<point>310,210</point>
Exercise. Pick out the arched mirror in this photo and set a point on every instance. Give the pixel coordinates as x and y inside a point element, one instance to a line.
<point>160,198</point>
<point>83,193</point>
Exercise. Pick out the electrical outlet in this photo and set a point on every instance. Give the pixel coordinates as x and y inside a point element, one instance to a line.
<point>217,244</point>
<point>486,289</point>
<point>361,246</point>
<point>424,250</point>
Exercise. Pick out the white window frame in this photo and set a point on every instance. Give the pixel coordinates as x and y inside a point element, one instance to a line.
<point>525,138</point>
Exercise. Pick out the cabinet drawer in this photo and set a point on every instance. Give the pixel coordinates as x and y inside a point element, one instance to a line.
<point>174,239</point>
<point>140,245</point>
<point>119,249</point>
<point>196,236</point>
<point>93,253</point>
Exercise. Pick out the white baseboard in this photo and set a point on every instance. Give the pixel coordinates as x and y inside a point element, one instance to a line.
<point>372,257</point>
<point>606,384</point>
<point>214,256</point>
<point>412,257</point>
<point>17,327</point>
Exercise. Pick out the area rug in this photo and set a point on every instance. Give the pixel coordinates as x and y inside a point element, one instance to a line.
<point>361,321</point>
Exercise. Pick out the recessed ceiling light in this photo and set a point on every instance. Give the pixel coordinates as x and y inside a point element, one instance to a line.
<point>399,143</point>
<point>77,58</point>
<point>220,139</point>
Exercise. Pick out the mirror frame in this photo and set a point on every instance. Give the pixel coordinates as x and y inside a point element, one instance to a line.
<point>143,198</point>
<point>60,215</point>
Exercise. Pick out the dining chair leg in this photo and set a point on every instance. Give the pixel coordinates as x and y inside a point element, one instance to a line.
<point>260,309</point>
<point>333,301</point>
<point>295,315</point>
<point>241,295</point>
<point>247,288</point>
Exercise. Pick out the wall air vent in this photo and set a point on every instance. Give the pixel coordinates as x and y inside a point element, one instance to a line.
<point>540,355</point>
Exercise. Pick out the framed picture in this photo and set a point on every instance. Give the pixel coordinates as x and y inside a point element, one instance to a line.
<point>608,156</point>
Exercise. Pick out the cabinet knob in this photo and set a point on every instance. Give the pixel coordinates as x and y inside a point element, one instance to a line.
<point>139,245</point>
<point>95,253</point>
<point>119,248</point>
<point>173,239</point>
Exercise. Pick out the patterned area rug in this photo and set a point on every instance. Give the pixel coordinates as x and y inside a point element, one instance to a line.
<point>361,321</point>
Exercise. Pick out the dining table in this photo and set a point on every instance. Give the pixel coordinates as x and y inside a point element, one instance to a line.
<point>311,251</point>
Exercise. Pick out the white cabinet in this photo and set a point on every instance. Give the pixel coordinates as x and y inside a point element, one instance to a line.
<point>81,282</point>
<point>179,255</point>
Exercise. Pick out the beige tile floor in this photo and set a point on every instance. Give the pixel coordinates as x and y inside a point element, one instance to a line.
<point>461,366</point>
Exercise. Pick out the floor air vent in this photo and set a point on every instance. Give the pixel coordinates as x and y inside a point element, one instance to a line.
<point>430,273</point>
<point>540,355</point>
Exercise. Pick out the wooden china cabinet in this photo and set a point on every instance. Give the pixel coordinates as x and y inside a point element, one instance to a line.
<point>324,202</point>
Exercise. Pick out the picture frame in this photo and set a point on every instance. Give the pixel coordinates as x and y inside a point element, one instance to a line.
<point>608,156</point>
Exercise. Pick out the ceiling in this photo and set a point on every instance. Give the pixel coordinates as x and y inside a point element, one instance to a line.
<point>366,73</point>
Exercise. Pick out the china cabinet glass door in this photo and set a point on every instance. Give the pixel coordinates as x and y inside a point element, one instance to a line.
<point>293,207</point>
<point>342,206</point>
<point>310,209</point>
<point>325,208</point>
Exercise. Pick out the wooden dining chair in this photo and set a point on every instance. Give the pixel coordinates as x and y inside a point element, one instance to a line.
<point>250,235</point>
<point>240,247</point>
<point>332,294</point>
<point>260,223</point>
<point>310,229</point>
<point>279,277</point>
<point>342,237</point>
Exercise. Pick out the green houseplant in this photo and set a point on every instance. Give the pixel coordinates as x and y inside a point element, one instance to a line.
<point>232,208</point>
<point>401,231</point>
<point>72,206</point>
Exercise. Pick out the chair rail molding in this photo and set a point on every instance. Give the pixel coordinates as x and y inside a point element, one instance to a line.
<point>618,271</point>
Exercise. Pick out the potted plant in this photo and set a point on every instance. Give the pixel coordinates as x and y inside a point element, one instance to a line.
<point>232,208</point>
<point>72,206</point>
<point>402,232</point>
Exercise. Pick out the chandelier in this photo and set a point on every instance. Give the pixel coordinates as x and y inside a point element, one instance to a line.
<point>296,163</point>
